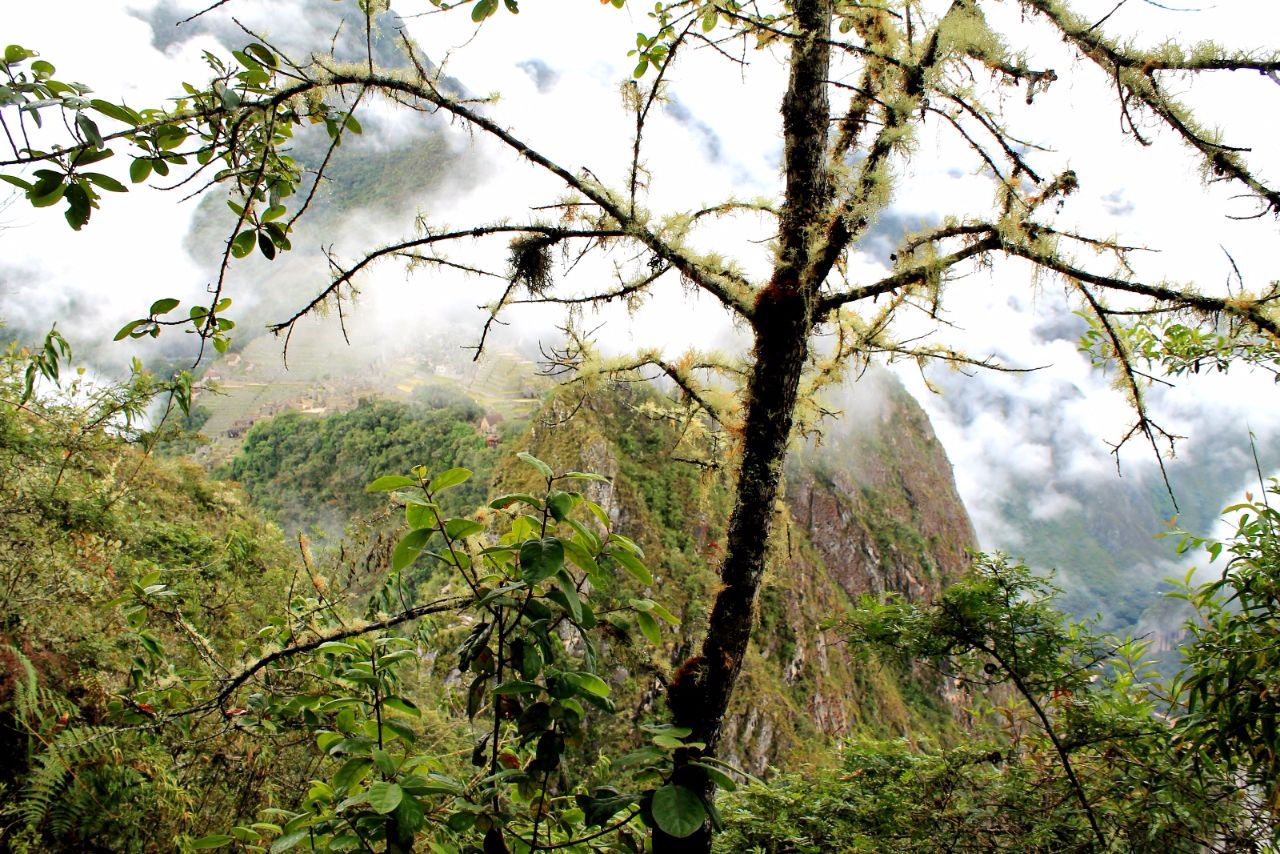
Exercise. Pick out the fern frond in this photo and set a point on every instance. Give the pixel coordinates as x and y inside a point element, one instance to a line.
<point>71,748</point>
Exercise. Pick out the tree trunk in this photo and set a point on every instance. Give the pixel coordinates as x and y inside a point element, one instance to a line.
<point>782,321</point>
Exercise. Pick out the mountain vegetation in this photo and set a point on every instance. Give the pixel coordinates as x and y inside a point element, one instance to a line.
<point>136,587</point>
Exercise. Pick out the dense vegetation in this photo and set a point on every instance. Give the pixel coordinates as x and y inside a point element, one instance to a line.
<point>175,678</point>
<point>307,471</point>
<point>92,527</point>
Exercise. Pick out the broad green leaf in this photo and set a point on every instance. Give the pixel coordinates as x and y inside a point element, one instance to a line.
<point>116,111</point>
<point>386,483</point>
<point>570,591</point>
<point>213,840</point>
<point>581,557</point>
<point>560,503</point>
<point>266,247</point>
<point>243,243</point>
<point>632,565</point>
<point>163,306</point>
<point>262,53</point>
<point>127,329</point>
<point>385,797</point>
<point>591,683</point>
<point>402,705</point>
<point>458,529</point>
<point>106,182</point>
<point>89,128</point>
<point>351,774</point>
<point>385,763</point>
<point>504,501</point>
<point>289,840</point>
<point>543,468</point>
<point>586,475</point>
<point>678,810</point>
<point>449,478</point>
<point>649,628</point>
<point>717,776</point>
<point>48,199</point>
<point>421,515</point>
<point>540,559</point>
<point>626,543</point>
<point>409,547</point>
<point>602,805</point>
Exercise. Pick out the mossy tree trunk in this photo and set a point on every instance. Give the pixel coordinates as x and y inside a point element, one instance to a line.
<point>783,319</point>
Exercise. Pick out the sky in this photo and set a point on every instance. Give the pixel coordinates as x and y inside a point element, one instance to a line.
<point>557,69</point>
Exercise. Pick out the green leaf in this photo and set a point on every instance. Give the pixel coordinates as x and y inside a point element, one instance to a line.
<point>409,547</point>
<point>483,9</point>
<point>504,501</point>
<point>163,306</point>
<point>449,478</point>
<point>262,53</point>
<point>602,805</point>
<point>79,207</point>
<point>243,243</point>
<point>421,515</point>
<point>127,329</point>
<point>116,111</point>
<point>560,503</point>
<point>89,128</point>
<point>581,557</point>
<point>106,182</point>
<point>16,53</point>
<point>266,247</point>
<point>570,591</point>
<point>649,628</point>
<point>540,559</point>
<point>717,776</point>
<point>403,706</point>
<point>213,840</point>
<point>678,810</point>
<point>385,763</point>
<point>458,529</point>
<point>586,475</point>
<point>632,565</point>
<point>385,797</point>
<point>591,683</point>
<point>46,199</point>
<point>388,482</point>
<point>289,840</point>
<point>543,468</point>
<point>626,543</point>
<point>351,774</point>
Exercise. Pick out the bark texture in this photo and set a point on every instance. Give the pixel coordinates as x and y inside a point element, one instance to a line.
<point>782,320</point>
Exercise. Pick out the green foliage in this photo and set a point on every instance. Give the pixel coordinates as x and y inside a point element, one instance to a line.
<point>91,520</point>
<point>305,469</point>
<point>1231,678</point>
<point>531,604</point>
<point>1079,751</point>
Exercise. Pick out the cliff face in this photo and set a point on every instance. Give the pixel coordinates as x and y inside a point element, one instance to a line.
<point>873,508</point>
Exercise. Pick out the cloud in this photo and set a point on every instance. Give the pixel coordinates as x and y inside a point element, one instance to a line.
<point>543,76</point>
<point>1040,436</point>
<point>1116,204</point>
<point>710,140</point>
